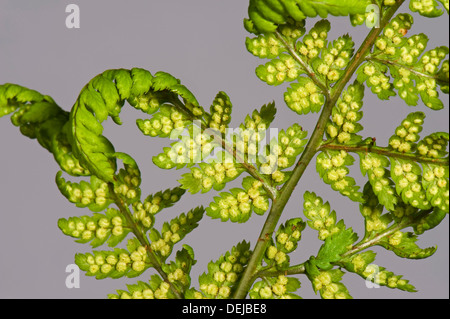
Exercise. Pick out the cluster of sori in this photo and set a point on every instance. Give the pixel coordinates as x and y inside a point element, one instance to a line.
<point>270,46</point>
<point>164,122</point>
<point>413,75</point>
<point>362,264</point>
<point>282,153</point>
<point>130,262</point>
<point>283,67</point>
<point>220,113</point>
<point>331,166</point>
<point>429,64</point>
<point>144,211</point>
<point>304,96</point>
<point>96,228</point>
<point>94,195</point>
<point>435,182</point>
<point>419,191</point>
<point>315,41</point>
<point>434,145</point>
<point>428,8</point>
<point>279,70</point>
<point>206,176</point>
<point>374,166</point>
<point>237,204</point>
<point>265,46</point>
<point>62,152</point>
<point>128,180</point>
<point>178,271</point>
<point>286,240</point>
<point>327,283</point>
<point>389,45</point>
<point>280,287</point>
<point>343,125</point>
<point>403,244</point>
<point>246,141</point>
<point>172,232</point>
<point>372,212</point>
<point>320,217</point>
<point>407,134</point>
<point>290,144</point>
<point>190,149</point>
<point>334,58</point>
<point>156,288</point>
<point>222,274</point>
<point>379,83</point>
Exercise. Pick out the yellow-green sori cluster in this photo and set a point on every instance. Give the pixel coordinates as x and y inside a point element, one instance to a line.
<point>283,153</point>
<point>435,183</point>
<point>220,113</point>
<point>327,283</point>
<point>331,166</point>
<point>94,195</point>
<point>191,149</point>
<point>345,115</point>
<point>269,46</point>
<point>434,145</point>
<point>286,240</point>
<point>223,273</point>
<point>393,39</point>
<point>280,287</point>
<point>374,166</point>
<point>334,59</point>
<point>164,122</point>
<point>382,277</point>
<point>238,204</point>
<point>314,41</point>
<point>427,86</point>
<point>128,180</point>
<point>378,82</point>
<point>407,134</point>
<point>412,76</point>
<point>63,154</point>
<point>372,212</point>
<point>172,232</point>
<point>279,70</point>
<point>247,140</point>
<point>96,228</point>
<point>304,96</point>
<point>362,264</point>
<point>265,46</point>
<point>155,289</point>
<point>290,144</point>
<point>391,43</point>
<point>116,263</point>
<point>428,8</point>
<point>210,175</point>
<point>153,204</point>
<point>408,180</point>
<point>320,217</point>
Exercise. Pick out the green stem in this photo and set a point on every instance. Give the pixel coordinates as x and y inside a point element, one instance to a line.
<point>250,273</point>
<point>142,239</point>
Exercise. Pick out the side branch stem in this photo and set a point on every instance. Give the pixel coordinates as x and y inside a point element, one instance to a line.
<point>142,239</point>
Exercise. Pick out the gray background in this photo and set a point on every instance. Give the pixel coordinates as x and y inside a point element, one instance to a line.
<point>201,43</point>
